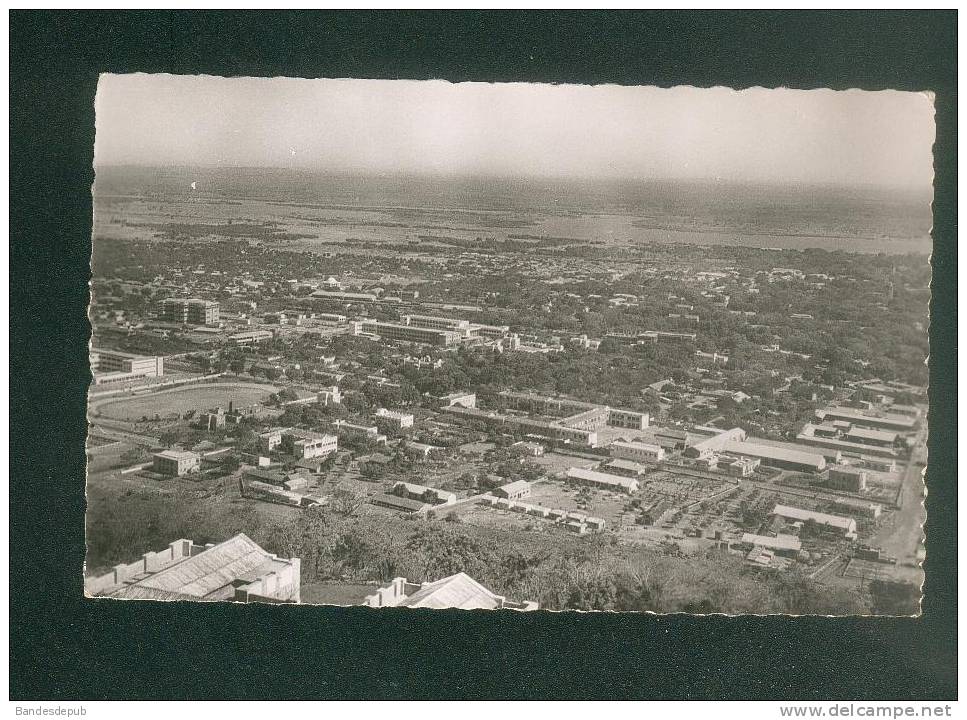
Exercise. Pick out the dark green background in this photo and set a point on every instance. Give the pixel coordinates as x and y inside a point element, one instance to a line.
<point>65,647</point>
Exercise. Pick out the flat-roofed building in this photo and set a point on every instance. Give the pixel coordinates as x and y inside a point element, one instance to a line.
<point>740,466</point>
<point>329,396</point>
<point>189,311</point>
<point>525,425</point>
<point>350,430</point>
<point>843,525</point>
<point>175,462</point>
<point>304,444</point>
<point>629,419</point>
<point>636,451</point>
<point>394,418</point>
<point>602,480</point>
<point>301,444</point>
<point>411,333</point>
<point>115,361</point>
<point>250,337</point>
<point>844,477</point>
<point>235,570</point>
<point>340,296</point>
<point>436,323</point>
<point>879,464</point>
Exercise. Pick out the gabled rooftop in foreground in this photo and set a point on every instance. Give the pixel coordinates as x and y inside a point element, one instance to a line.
<point>458,591</point>
<point>237,569</point>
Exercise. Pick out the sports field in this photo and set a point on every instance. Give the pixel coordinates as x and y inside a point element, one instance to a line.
<point>181,400</point>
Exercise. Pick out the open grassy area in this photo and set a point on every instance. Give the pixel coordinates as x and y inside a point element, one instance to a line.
<point>181,400</point>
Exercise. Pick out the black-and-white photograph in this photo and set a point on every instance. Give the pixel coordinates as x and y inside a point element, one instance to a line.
<point>516,346</point>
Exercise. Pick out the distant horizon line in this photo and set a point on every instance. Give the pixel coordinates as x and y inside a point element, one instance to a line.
<point>508,177</point>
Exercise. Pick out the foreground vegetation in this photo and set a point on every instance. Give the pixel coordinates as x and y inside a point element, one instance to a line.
<point>560,572</point>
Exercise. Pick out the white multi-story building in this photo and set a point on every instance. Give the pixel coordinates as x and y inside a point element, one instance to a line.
<point>394,418</point>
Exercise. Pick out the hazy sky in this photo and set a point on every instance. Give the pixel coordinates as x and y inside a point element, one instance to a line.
<point>517,129</point>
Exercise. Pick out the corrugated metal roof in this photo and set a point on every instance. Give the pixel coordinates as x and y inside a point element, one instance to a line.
<point>774,453</point>
<point>794,513</point>
<point>239,558</point>
<point>457,591</point>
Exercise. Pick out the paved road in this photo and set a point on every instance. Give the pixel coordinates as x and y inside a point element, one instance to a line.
<point>904,537</point>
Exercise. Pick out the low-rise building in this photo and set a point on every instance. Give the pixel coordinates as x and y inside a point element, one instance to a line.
<point>394,418</point>
<point>789,545</point>
<point>602,480</point>
<point>628,468</point>
<point>835,523</point>
<point>636,451</point>
<point>419,450</point>
<point>859,508</point>
<point>844,477</point>
<point>779,457</point>
<point>740,466</point>
<point>463,399</point>
<point>175,462</point>
<point>864,436</point>
<point>395,502</point>
<point>428,495</point>
<point>250,337</point>
<point>514,491</point>
<point>329,396</point>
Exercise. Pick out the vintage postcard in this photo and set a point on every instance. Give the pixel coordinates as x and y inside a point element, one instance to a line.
<point>509,346</point>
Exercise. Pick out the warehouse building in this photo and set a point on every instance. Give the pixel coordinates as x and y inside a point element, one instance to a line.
<point>788,545</point>
<point>601,480</point>
<point>896,423</point>
<point>636,451</point>
<point>514,491</point>
<point>777,457</point>
<point>716,443</point>
<point>836,523</point>
<point>428,495</point>
<point>863,436</point>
